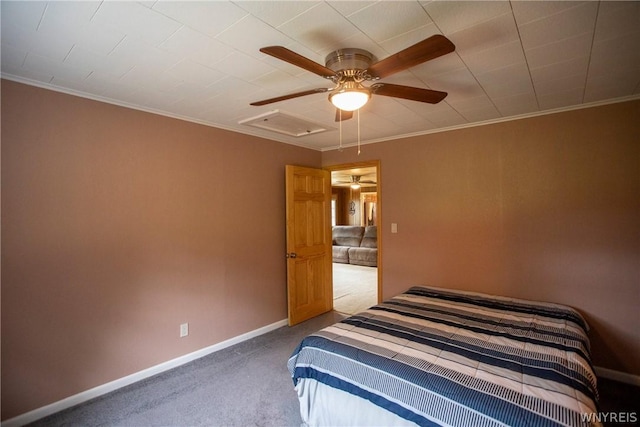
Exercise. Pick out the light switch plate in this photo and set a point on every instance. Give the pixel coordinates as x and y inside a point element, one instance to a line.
<point>184,330</point>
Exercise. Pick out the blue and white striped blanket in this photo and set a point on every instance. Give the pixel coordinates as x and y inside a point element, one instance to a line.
<point>443,357</point>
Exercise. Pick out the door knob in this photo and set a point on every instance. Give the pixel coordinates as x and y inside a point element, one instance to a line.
<point>292,255</point>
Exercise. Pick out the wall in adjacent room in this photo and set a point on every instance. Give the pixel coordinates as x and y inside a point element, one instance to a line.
<point>544,208</point>
<point>119,225</point>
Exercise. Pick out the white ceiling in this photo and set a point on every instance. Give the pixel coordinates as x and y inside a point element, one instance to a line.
<point>200,61</point>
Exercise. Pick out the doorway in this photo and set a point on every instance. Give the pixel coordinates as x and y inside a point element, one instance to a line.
<point>356,204</point>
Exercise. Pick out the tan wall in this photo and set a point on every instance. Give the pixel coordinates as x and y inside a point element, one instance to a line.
<point>117,226</point>
<point>545,208</point>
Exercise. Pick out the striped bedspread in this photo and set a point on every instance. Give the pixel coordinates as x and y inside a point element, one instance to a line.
<point>443,357</point>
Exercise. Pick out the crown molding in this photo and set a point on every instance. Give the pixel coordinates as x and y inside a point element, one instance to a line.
<point>106,100</point>
<point>495,121</point>
<point>118,103</point>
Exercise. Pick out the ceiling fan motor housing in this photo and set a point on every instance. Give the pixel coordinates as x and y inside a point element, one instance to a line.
<point>345,60</point>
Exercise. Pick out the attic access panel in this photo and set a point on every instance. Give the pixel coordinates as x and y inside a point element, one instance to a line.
<point>285,123</point>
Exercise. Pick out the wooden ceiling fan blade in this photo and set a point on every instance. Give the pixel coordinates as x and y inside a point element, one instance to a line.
<point>426,50</point>
<point>298,60</point>
<point>290,96</point>
<point>408,92</point>
<point>342,115</point>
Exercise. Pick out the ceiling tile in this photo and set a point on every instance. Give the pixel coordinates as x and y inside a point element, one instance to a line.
<point>208,17</point>
<point>567,82</point>
<point>572,67</point>
<point>234,86</point>
<point>514,105</point>
<point>143,57</point>
<point>528,11</point>
<point>466,104</point>
<point>616,84</point>
<point>250,34</point>
<point>12,57</point>
<point>72,22</point>
<point>481,114</point>
<point>42,64</point>
<point>382,21</point>
<point>133,18</point>
<point>491,59</point>
<point>443,65</point>
<point>405,117</point>
<point>405,40</point>
<point>196,46</point>
<point>160,100</point>
<point>385,106</point>
<point>490,34</point>
<point>619,52</point>
<point>446,118</point>
<point>68,14</point>
<point>24,14</point>
<point>404,78</point>
<point>570,22</point>
<point>504,82</point>
<point>276,13</point>
<point>82,58</point>
<point>319,28</point>
<point>560,98</point>
<point>616,18</point>
<point>577,46</point>
<point>278,81</point>
<point>460,84</point>
<point>347,7</point>
<point>193,72</point>
<point>36,42</point>
<point>243,66</point>
<point>454,16</point>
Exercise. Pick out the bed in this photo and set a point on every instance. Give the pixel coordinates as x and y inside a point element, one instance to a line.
<point>433,356</point>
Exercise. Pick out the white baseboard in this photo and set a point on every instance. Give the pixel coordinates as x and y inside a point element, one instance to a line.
<point>622,377</point>
<point>84,396</point>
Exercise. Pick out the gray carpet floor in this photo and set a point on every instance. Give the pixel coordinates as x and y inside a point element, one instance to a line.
<point>247,384</point>
<point>244,385</point>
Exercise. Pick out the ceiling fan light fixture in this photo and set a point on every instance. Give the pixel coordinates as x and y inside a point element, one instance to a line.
<point>355,186</point>
<point>350,97</point>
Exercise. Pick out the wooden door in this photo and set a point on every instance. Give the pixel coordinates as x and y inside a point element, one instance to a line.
<point>309,257</point>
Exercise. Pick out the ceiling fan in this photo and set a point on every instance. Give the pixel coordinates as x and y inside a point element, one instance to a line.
<point>355,182</point>
<point>349,68</point>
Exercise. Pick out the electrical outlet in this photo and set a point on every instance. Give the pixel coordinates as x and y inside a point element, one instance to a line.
<point>184,330</point>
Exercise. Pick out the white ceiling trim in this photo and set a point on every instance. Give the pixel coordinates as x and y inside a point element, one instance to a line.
<point>137,107</point>
<point>348,145</point>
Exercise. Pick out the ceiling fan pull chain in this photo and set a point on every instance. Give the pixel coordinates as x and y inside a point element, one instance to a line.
<point>358,132</point>
<point>340,147</point>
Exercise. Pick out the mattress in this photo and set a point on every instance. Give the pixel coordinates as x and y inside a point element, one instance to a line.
<point>433,356</point>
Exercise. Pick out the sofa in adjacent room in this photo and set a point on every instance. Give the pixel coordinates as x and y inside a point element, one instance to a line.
<point>355,245</point>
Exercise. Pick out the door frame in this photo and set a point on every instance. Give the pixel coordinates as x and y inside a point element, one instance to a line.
<point>364,164</point>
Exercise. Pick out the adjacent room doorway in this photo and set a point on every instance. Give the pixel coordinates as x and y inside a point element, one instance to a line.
<point>355,189</point>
